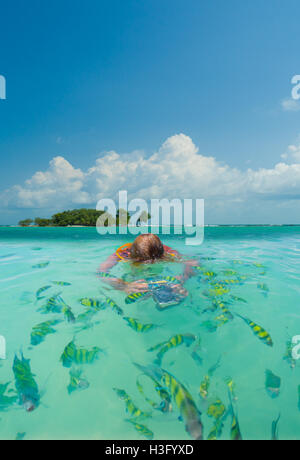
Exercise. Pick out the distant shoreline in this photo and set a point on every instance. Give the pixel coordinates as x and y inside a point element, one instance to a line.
<point>160,226</point>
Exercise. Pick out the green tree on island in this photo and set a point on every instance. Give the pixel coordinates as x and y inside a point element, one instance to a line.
<point>26,222</point>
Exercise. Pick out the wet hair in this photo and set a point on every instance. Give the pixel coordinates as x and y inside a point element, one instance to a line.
<point>147,248</point>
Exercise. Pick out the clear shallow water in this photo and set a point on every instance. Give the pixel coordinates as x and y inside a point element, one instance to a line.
<point>97,412</point>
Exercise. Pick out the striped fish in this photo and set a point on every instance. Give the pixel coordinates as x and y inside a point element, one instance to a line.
<point>142,429</point>
<point>216,410</point>
<point>139,327</point>
<point>222,306</point>
<point>40,291</point>
<point>135,296</point>
<point>218,290</point>
<point>183,399</point>
<point>69,315</point>
<point>235,432</point>
<point>105,275</point>
<point>67,311</point>
<point>216,430</point>
<point>41,265</point>
<point>40,331</point>
<point>173,342</point>
<point>204,387</point>
<point>52,306</point>
<point>209,275</point>
<point>26,386</point>
<point>61,283</point>
<point>261,333</point>
<point>114,306</point>
<point>131,408</point>
<point>165,404</point>
<point>72,354</point>
<point>5,400</point>
<point>92,303</point>
<point>76,381</point>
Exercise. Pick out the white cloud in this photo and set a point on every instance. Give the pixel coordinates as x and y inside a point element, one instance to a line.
<point>176,170</point>
<point>60,185</point>
<point>290,105</point>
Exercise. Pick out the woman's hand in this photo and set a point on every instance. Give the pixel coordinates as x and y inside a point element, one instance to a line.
<point>179,289</point>
<point>136,286</point>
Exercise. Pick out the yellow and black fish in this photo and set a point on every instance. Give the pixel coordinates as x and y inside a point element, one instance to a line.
<point>261,333</point>
<point>76,381</point>
<point>141,429</point>
<point>235,432</point>
<point>173,342</point>
<point>181,396</point>
<point>72,354</point>
<point>40,331</point>
<point>40,291</point>
<point>5,400</point>
<point>137,326</point>
<point>165,404</point>
<point>61,283</point>
<point>114,306</point>
<point>95,304</point>
<point>204,387</point>
<point>216,410</point>
<point>131,408</point>
<point>69,315</point>
<point>41,265</point>
<point>225,310</point>
<point>67,311</point>
<point>135,296</point>
<point>53,305</point>
<point>105,275</point>
<point>25,384</point>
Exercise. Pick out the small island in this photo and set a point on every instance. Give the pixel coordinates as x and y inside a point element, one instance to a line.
<point>82,218</point>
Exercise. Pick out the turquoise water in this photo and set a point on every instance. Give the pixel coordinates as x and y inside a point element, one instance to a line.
<point>243,257</point>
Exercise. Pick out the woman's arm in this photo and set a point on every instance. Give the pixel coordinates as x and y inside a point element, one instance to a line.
<point>188,271</point>
<point>118,283</point>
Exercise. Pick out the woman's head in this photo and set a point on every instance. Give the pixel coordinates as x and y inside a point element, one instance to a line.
<point>147,248</point>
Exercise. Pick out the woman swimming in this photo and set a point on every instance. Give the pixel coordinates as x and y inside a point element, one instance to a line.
<point>146,249</point>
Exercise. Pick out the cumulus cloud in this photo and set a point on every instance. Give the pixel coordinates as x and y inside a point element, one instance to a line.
<point>61,184</point>
<point>175,170</point>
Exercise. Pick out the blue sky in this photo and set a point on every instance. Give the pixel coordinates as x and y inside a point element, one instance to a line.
<point>84,78</point>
